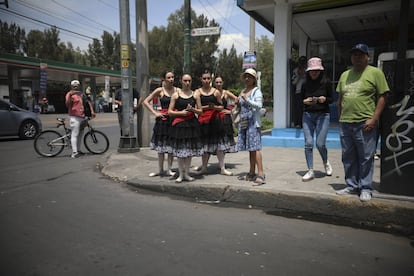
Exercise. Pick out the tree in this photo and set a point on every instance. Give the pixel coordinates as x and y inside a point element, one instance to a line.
<point>95,53</point>
<point>33,46</point>
<point>12,38</point>
<point>203,48</point>
<point>265,55</point>
<point>228,66</point>
<point>166,46</point>
<point>51,49</point>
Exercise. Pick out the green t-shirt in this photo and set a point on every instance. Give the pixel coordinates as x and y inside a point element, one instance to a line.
<point>359,92</point>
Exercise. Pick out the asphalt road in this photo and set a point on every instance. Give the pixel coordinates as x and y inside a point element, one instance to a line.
<point>60,216</point>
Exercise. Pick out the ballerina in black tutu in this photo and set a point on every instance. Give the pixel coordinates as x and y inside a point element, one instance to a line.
<point>214,134</point>
<point>185,129</point>
<point>229,144</point>
<point>160,140</point>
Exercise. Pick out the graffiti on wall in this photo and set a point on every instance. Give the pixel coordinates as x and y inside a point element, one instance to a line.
<point>397,134</point>
<point>398,142</point>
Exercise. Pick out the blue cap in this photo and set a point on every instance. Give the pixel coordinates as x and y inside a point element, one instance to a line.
<point>360,47</point>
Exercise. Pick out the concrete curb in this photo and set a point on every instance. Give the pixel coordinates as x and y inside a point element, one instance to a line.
<point>385,215</point>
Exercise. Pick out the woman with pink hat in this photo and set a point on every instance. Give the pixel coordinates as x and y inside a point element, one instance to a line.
<point>317,95</point>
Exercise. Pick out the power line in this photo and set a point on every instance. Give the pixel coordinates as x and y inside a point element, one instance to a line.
<point>225,31</point>
<point>52,13</point>
<point>47,24</point>
<point>224,18</point>
<point>83,16</point>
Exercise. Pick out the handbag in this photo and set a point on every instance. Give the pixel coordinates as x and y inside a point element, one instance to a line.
<point>244,123</point>
<point>235,114</point>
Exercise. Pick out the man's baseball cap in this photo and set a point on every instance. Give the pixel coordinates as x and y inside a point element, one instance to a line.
<point>75,83</point>
<point>360,47</point>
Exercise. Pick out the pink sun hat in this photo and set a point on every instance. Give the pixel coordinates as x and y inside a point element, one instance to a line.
<point>314,64</point>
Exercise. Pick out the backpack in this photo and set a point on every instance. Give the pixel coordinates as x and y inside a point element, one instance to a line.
<point>86,106</point>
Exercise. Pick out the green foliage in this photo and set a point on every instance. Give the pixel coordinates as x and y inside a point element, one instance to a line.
<point>267,123</point>
<point>166,47</point>
<point>11,38</point>
<point>227,65</point>
<point>264,52</point>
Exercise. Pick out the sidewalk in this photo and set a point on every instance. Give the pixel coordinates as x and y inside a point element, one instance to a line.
<point>284,191</point>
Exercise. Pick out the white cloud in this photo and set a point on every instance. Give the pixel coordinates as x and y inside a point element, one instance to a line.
<point>219,10</point>
<point>240,42</point>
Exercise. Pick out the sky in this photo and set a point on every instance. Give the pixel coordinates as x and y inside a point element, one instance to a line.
<point>82,20</point>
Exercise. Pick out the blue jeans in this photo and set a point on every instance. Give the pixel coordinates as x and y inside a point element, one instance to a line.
<point>358,149</point>
<point>319,122</point>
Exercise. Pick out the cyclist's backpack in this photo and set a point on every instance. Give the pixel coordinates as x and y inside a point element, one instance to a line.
<point>86,106</point>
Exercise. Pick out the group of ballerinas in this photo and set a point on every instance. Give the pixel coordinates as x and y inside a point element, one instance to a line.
<point>196,123</point>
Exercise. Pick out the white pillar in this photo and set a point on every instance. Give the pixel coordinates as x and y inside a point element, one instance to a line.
<point>282,45</point>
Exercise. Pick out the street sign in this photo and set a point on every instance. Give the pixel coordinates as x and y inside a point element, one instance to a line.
<point>205,31</point>
<point>124,51</point>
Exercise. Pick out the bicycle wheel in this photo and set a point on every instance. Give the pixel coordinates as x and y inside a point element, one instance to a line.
<point>96,142</point>
<point>49,143</point>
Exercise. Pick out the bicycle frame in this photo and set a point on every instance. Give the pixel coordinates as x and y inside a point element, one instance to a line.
<point>65,138</point>
<point>50,143</point>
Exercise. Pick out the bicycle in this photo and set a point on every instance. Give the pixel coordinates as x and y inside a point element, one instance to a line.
<point>50,143</point>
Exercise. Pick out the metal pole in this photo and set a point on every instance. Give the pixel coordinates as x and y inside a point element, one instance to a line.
<point>143,122</point>
<point>187,37</point>
<point>128,142</point>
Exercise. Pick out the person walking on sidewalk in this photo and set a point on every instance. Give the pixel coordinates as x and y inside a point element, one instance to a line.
<point>317,95</point>
<point>160,140</point>
<point>363,92</point>
<point>76,102</point>
<point>185,129</point>
<point>249,138</point>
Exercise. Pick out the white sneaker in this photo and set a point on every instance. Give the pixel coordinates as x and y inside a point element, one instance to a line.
<point>75,155</point>
<point>365,195</point>
<point>308,176</point>
<point>328,168</point>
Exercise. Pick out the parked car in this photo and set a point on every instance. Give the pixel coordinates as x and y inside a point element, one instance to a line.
<point>16,121</point>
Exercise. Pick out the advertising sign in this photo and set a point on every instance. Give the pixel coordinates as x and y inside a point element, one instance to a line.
<point>249,60</point>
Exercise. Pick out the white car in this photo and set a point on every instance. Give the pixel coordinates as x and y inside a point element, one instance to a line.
<point>16,121</point>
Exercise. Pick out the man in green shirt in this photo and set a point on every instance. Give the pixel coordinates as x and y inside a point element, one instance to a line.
<point>362,93</point>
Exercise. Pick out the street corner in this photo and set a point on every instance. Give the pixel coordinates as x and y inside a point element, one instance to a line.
<point>124,166</point>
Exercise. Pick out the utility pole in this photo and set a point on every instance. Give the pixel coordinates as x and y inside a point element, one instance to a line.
<point>143,122</point>
<point>187,37</point>
<point>252,46</point>
<point>128,142</point>
<point>252,34</point>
